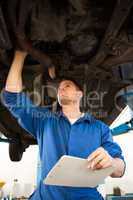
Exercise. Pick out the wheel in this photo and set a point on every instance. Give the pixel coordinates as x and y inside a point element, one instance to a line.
<point>15,151</point>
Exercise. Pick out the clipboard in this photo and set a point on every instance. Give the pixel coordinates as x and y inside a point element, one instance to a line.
<point>73,172</point>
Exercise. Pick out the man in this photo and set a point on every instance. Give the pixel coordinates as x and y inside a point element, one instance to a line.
<point>68,133</point>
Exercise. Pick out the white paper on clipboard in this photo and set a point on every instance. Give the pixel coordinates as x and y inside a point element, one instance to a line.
<point>73,171</point>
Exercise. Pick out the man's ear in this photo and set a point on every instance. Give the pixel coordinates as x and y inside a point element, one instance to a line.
<point>80,94</point>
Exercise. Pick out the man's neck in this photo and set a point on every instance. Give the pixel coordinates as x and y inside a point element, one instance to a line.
<point>71,111</point>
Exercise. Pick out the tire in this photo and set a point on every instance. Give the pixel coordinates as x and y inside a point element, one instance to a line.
<point>15,151</point>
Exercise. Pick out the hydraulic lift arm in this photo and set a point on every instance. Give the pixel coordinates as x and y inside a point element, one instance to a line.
<point>123,128</point>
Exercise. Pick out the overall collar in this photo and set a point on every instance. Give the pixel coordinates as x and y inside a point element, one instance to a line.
<point>87,117</point>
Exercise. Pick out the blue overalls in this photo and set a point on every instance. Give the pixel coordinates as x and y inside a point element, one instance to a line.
<point>56,137</point>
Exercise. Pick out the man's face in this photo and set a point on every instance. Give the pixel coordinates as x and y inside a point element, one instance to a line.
<point>68,93</point>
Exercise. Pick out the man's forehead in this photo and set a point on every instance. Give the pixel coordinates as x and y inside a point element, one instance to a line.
<point>66,82</point>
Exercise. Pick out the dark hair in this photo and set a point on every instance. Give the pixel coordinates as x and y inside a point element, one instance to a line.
<point>78,83</point>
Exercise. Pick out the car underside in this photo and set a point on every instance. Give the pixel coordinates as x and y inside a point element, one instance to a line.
<point>88,40</point>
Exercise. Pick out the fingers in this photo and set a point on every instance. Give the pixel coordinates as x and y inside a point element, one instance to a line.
<point>102,165</point>
<point>51,71</point>
<point>99,159</point>
<point>105,163</point>
<point>94,154</point>
<point>96,160</point>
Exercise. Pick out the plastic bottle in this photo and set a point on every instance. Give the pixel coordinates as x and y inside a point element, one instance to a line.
<point>15,189</point>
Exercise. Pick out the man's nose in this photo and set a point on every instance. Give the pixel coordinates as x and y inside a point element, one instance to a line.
<point>62,90</point>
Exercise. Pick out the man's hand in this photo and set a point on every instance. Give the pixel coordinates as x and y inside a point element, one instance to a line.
<point>21,53</point>
<point>100,159</point>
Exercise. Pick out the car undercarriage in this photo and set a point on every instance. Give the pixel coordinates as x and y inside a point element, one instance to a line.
<point>88,40</point>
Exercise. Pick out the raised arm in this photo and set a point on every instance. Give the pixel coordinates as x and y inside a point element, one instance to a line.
<point>14,79</point>
<point>18,103</point>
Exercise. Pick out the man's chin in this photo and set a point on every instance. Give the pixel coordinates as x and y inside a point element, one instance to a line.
<point>65,102</point>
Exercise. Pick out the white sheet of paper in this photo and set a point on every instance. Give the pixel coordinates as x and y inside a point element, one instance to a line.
<point>73,171</point>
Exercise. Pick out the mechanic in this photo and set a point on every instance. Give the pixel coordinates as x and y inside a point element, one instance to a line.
<point>69,132</point>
